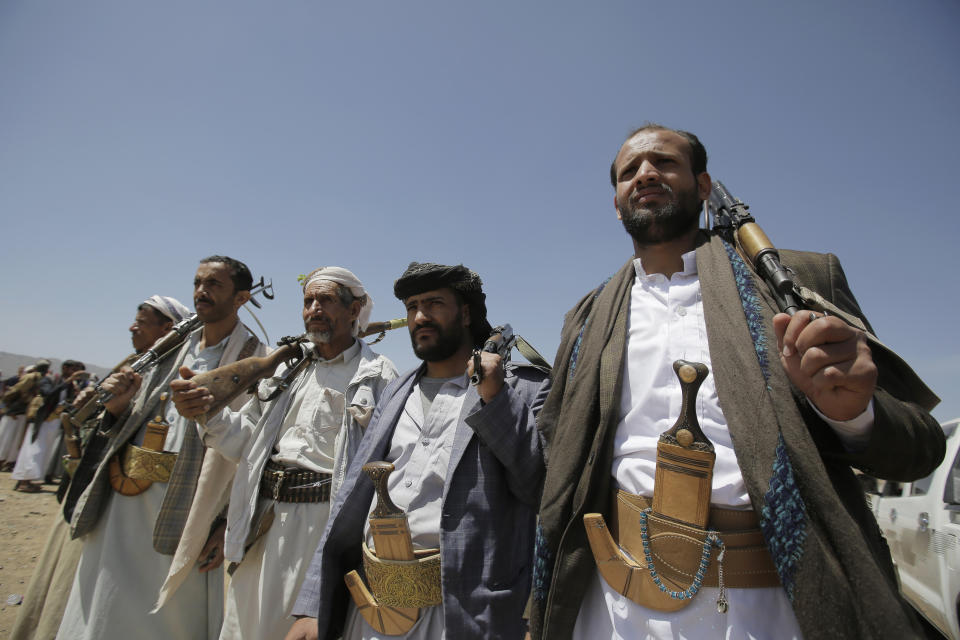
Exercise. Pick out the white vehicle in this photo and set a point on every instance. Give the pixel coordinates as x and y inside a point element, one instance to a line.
<point>921,521</point>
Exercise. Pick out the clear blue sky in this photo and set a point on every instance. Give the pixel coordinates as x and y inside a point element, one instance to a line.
<point>139,137</point>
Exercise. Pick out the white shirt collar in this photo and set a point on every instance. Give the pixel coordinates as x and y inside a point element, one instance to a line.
<point>689,267</point>
<point>346,355</point>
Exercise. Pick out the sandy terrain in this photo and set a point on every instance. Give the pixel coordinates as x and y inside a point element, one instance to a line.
<point>25,519</point>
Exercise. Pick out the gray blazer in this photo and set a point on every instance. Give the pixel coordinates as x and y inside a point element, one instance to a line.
<point>490,500</point>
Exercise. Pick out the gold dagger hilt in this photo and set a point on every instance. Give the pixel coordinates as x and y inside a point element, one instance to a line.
<point>379,472</point>
<point>686,430</point>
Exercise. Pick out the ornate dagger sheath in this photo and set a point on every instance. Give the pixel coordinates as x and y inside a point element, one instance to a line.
<point>685,457</point>
<point>388,523</point>
<point>392,542</point>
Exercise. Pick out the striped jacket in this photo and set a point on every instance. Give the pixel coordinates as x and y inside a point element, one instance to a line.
<point>487,520</point>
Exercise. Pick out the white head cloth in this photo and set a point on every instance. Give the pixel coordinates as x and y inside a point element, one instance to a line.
<point>168,307</point>
<point>345,277</point>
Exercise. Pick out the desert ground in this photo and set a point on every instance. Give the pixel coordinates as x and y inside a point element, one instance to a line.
<point>25,520</point>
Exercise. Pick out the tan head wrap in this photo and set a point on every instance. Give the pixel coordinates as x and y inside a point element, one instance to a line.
<point>345,277</point>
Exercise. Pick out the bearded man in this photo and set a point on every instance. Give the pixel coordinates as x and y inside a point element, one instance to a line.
<point>468,465</point>
<point>288,448</point>
<point>781,542</point>
<point>130,513</point>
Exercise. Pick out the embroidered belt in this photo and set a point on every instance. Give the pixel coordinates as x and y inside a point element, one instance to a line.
<point>133,469</point>
<point>404,583</point>
<point>676,548</point>
<point>293,484</point>
<point>659,552</point>
<point>146,465</point>
<point>401,579</point>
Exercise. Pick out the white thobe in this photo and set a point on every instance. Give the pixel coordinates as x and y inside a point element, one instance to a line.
<point>420,452</point>
<point>119,573</point>
<point>35,452</point>
<point>667,323</point>
<point>11,432</point>
<point>264,587</point>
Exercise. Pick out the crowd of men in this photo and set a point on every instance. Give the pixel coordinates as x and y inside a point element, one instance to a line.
<point>684,470</point>
<point>31,441</point>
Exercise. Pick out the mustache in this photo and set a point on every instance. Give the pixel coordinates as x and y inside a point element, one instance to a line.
<point>662,186</point>
<point>425,325</point>
<point>205,300</point>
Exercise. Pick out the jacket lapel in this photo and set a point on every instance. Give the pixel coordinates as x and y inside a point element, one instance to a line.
<point>463,434</point>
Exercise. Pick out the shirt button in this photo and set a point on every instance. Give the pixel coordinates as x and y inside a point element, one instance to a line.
<point>425,442</point>
<point>408,483</point>
<point>681,312</point>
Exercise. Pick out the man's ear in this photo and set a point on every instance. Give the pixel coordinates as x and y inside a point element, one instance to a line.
<point>617,207</point>
<point>240,298</point>
<point>704,185</point>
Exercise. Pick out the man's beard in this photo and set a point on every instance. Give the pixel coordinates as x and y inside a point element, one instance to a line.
<point>655,225</point>
<point>319,337</point>
<point>448,341</point>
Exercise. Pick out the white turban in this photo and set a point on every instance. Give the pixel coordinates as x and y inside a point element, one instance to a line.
<point>168,307</point>
<point>345,277</point>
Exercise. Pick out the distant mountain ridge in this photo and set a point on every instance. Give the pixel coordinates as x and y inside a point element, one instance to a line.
<point>10,362</point>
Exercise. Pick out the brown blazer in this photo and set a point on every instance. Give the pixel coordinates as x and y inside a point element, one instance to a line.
<point>842,550</point>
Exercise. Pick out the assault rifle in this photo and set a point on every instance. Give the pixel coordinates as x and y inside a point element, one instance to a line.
<point>732,216</point>
<point>501,341</point>
<point>229,381</point>
<point>170,342</point>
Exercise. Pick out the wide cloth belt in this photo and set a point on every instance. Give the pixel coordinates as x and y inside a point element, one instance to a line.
<point>293,484</point>
<point>676,547</point>
<point>143,464</point>
<point>404,583</point>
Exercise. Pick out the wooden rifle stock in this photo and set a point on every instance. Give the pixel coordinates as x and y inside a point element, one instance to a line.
<point>756,246</point>
<point>227,382</point>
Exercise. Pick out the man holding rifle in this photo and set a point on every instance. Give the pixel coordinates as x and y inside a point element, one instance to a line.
<point>289,448</point>
<point>41,433</point>
<point>744,519</point>
<point>467,463</point>
<point>46,595</point>
<point>142,482</point>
